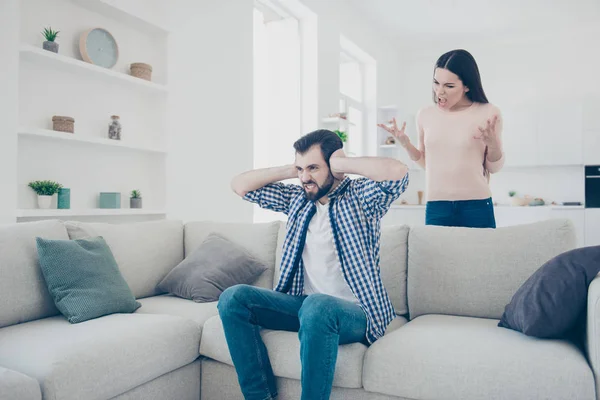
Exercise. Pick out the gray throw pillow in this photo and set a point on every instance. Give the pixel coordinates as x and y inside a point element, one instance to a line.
<point>552,302</point>
<point>210,269</point>
<point>84,279</point>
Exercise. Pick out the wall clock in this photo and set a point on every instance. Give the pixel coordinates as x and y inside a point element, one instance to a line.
<point>99,47</point>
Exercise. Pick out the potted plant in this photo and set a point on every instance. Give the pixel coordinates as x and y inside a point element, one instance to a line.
<point>342,135</point>
<point>45,190</point>
<point>515,201</point>
<point>135,201</point>
<point>50,36</point>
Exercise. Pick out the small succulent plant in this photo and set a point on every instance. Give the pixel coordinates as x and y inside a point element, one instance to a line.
<point>50,34</point>
<point>136,194</point>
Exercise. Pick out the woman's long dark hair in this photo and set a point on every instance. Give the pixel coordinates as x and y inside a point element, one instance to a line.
<point>462,64</point>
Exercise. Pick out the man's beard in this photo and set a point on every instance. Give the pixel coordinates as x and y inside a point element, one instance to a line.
<point>322,190</point>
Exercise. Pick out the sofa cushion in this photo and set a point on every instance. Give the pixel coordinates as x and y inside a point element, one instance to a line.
<point>393,254</point>
<point>284,353</point>
<point>553,300</point>
<point>84,279</point>
<point>214,266</point>
<point>439,356</point>
<point>145,251</point>
<point>475,272</point>
<point>15,385</point>
<point>23,292</point>
<point>100,358</point>
<point>260,239</point>
<point>171,305</point>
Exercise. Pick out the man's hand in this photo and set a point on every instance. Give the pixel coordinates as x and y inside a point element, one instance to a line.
<point>337,174</point>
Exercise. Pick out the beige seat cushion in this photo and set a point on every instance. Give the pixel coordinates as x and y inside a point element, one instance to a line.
<point>145,251</point>
<point>171,305</point>
<point>446,357</point>
<point>475,272</point>
<point>284,353</point>
<point>17,386</point>
<point>100,358</point>
<point>23,292</point>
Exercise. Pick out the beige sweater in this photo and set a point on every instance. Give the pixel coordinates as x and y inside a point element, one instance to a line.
<point>453,159</point>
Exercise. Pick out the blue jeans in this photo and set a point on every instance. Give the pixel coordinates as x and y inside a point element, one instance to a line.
<point>466,213</point>
<point>322,322</point>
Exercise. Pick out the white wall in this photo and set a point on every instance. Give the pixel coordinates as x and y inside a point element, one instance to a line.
<point>210,108</point>
<point>9,70</point>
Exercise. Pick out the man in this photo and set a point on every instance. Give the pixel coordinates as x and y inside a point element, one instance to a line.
<point>330,289</point>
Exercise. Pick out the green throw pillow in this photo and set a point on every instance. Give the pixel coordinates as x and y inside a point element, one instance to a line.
<point>84,279</point>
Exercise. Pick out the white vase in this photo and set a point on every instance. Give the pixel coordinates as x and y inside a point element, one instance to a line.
<point>44,201</point>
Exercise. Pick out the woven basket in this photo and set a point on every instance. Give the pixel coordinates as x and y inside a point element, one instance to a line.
<point>63,124</point>
<point>141,70</point>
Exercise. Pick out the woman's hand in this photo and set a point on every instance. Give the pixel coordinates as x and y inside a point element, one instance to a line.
<point>399,134</point>
<point>488,132</point>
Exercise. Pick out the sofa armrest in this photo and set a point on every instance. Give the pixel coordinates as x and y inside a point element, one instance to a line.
<point>592,339</point>
<point>15,385</point>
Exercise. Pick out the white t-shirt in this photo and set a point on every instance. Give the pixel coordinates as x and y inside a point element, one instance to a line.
<point>322,269</point>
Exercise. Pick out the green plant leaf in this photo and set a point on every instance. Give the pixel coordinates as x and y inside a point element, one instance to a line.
<point>50,34</point>
<point>45,188</point>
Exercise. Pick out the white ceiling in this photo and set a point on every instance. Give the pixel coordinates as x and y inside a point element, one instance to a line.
<point>431,19</point>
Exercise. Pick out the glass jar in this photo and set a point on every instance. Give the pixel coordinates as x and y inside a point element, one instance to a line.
<point>114,128</point>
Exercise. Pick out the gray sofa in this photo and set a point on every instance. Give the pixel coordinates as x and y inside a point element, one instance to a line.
<point>453,283</point>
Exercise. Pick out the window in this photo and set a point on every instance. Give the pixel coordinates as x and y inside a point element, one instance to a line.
<point>357,89</point>
<point>285,83</point>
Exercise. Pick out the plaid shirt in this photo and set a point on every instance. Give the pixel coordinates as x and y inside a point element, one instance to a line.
<point>356,208</point>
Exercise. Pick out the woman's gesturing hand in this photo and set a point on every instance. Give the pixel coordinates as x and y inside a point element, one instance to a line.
<point>397,133</point>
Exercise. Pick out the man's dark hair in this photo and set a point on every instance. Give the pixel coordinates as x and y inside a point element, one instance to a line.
<point>327,140</point>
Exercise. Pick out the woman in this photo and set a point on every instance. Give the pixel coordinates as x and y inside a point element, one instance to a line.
<point>459,145</point>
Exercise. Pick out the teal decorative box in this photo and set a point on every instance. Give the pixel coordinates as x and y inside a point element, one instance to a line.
<point>64,199</point>
<point>110,200</point>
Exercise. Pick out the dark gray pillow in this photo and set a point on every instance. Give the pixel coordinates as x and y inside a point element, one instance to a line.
<point>214,266</point>
<point>551,302</point>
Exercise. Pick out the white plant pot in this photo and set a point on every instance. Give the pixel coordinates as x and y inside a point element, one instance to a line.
<point>44,201</point>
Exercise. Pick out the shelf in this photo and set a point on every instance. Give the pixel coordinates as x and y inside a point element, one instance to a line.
<point>105,8</point>
<point>388,146</point>
<point>53,60</point>
<point>75,137</point>
<point>335,120</point>
<point>53,212</point>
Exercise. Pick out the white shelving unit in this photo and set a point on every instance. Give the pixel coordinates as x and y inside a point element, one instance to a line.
<point>62,84</point>
<point>34,212</point>
<point>336,120</point>
<point>53,60</point>
<point>54,135</point>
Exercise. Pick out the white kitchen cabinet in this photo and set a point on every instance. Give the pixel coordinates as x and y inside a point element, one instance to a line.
<point>404,215</point>
<point>544,135</point>
<point>591,147</point>
<point>560,134</point>
<point>519,137</point>
<point>592,226</point>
